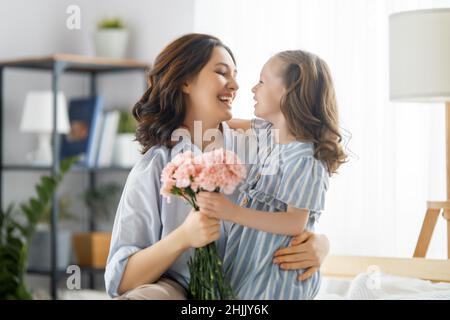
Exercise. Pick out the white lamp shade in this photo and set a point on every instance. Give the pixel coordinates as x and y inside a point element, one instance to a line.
<point>38,113</point>
<point>419,52</point>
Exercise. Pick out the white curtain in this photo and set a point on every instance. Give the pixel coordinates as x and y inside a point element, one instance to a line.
<point>375,206</point>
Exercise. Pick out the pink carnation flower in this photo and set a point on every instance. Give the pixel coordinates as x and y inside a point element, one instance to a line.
<point>218,169</point>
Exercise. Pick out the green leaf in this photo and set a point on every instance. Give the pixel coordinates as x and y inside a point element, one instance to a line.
<point>22,292</point>
<point>23,230</point>
<point>176,191</point>
<point>7,286</point>
<point>127,123</point>
<point>190,192</point>
<point>111,23</point>
<point>48,183</point>
<point>67,163</point>
<point>10,252</point>
<point>37,206</point>
<point>29,213</point>
<point>42,193</point>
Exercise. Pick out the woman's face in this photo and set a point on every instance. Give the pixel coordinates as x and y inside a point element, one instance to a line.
<point>269,90</point>
<point>210,94</point>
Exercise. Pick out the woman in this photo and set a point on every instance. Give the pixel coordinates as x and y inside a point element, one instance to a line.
<point>193,79</point>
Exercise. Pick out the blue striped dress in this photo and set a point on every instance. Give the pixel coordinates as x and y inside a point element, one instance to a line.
<point>282,174</point>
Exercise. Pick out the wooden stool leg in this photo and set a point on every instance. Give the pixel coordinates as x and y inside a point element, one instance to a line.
<point>447,217</point>
<point>429,222</point>
<point>448,239</point>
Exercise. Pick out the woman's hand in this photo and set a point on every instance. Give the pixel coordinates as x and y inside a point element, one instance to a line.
<point>216,205</point>
<point>199,229</point>
<point>307,251</point>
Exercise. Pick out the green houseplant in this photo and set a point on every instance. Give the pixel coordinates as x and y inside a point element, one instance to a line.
<point>111,38</point>
<point>16,234</point>
<point>101,199</point>
<point>64,212</point>
<point>127,123</point>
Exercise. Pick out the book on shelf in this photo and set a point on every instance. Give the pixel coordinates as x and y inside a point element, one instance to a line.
<point>108,138</point>
<point>85,116</point>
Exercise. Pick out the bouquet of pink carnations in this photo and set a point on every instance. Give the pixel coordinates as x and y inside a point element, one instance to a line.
<point>185,176</point>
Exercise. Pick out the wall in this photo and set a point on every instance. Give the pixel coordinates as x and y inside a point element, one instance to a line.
<point>35,28</point>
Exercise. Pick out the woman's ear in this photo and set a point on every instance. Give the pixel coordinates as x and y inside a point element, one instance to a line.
<point>186,88</point>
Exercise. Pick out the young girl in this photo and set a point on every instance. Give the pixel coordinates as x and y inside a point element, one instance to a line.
<point>284,193</point>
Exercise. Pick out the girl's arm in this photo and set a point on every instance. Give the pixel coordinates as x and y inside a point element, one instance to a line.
<point>291,222</point>
<point>147,265</point>
<point>239,124</point>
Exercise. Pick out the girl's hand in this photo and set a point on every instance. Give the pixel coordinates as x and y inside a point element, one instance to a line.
<point>307,251</point>
<point>199,229</point>
<point>216,205</point>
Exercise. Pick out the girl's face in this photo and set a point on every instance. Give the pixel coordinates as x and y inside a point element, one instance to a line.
<point>269,91</point>
<point>210,94</point>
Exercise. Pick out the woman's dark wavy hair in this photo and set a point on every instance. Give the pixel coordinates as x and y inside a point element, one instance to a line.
<point>310,107</point>
<point>162,108</point>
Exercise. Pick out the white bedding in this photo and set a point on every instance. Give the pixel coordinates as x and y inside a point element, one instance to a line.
<point>375,286</point>
<point>365,286</point>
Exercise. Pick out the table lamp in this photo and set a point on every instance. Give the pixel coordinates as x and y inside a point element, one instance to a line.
<point>37,117</point>
<point>419,63</point>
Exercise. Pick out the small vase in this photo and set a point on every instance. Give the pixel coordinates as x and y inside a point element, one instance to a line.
<point>126,151</point>
<point>39,256</point>
<point>111,43</point>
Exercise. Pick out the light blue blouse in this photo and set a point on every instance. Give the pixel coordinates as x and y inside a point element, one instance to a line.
<point>144,217</point>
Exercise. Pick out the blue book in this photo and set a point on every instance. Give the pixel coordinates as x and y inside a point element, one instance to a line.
<point>85,127</point>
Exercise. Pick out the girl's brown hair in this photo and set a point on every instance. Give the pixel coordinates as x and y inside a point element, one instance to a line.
<point>162,108</point>
<point>309,106</point>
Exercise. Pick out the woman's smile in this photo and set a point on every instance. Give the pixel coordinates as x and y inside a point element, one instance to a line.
<point>226,99</point>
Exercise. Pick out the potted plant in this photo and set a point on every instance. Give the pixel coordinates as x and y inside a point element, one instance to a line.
<point>111,38</point>
<point>126,148</point>
<point>17,227</point>
<point>39,252</point>
<point>92,248</point>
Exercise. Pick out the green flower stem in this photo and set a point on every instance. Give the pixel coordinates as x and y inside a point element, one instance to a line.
<point>205,266</point>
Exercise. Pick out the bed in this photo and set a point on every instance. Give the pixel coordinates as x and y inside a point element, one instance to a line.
<point>371,278</point>
<point>362,278</point>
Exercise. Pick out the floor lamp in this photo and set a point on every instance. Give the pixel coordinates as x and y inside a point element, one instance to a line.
<point>419,63</point>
